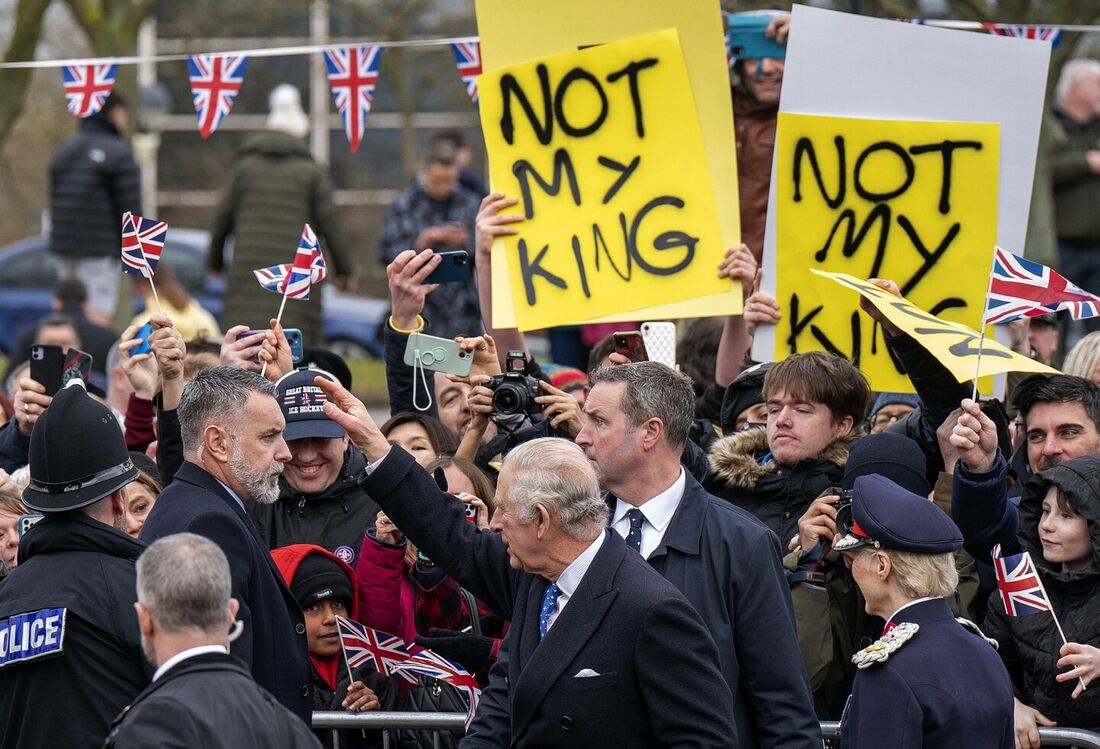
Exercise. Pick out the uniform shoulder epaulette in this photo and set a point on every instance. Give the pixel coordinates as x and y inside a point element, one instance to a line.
<point>967,624</point>
<point>881,649</point>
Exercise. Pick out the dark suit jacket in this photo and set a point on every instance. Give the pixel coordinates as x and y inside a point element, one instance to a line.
<point>208,701</point>
<point>653,657</point>
<point>273,643</point>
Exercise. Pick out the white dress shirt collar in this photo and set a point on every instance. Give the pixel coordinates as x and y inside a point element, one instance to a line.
<point>185,654</point>
<point>658,513</point>
<point>570,578</point>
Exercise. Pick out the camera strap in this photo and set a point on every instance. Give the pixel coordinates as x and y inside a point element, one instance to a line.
<point>419,365</point>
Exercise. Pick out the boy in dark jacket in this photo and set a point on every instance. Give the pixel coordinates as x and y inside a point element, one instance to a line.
<point>325,587</point>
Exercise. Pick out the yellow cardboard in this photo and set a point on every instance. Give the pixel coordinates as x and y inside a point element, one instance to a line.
<point>584,141</point>
<point>953,344</point>
<point>914,202</point>
<point>513,32</point>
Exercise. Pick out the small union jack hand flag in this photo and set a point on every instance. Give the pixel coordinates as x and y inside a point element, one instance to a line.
<point>87,87</point>
<point>1021,590</point>
<point>365,645</point>
<point>294,279</point>
<point>352,75</point>
<point>1051,34</point>
<point>215,82</point>
<point>427,663</point>
<point>142,244</point>
<point>1023,288</point>
<point>468,59</point>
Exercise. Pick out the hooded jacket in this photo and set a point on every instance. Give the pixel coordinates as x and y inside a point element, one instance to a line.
<point>273,189</point>
<point>325,695</point>
<point>743,472</point>
<point>336,518</point>
<point>1029,645</point>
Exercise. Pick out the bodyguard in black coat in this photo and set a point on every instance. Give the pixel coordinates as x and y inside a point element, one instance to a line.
<point>232,435</point>
<point>70,649</point>
<point>208,701</point>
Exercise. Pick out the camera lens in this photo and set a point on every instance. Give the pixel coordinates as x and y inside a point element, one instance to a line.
<point>509,398</point>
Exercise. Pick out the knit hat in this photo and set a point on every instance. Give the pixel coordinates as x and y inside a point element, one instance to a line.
<point>568,379</point>
<point>286,113</point>
<point>893,456</point>
<point>889,399</point>
<point>744,392</point>
<point>319,577</point>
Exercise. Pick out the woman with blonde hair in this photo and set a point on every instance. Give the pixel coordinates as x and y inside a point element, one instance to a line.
<point>11,508</point>
<point>1083,360</point>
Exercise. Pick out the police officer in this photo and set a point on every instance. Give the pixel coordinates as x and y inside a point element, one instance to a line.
<point>70,648</point>
<point>930,680</point>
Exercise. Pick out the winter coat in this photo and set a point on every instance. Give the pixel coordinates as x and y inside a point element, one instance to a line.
<point>776,495</point>
<point>336,518</point>
<point>271,192</point>
<point>754,124</point>
<point>76,586</point>
<point>1029,645</point>
<point>1076,187</point>
<point>453,307</point>
<point>93,181</point>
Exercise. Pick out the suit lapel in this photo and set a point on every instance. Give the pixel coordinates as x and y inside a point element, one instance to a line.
<point>543,664</point>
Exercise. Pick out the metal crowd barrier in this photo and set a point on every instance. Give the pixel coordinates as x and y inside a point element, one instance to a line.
<point>1047,736</point>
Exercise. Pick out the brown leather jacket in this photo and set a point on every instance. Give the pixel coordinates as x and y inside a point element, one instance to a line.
<point>755,126</point>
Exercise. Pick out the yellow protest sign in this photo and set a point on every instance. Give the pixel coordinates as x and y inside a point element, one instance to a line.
<point>584,141</point>
<point>914,202</point>
<point>513,32</point>
<point>953,344</point>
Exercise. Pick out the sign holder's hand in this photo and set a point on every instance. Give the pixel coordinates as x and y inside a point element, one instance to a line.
<point>872,311</point>
<point>739,263</point>
<point>350,413</point>
<point>491,223</point>
<point>760,308</point>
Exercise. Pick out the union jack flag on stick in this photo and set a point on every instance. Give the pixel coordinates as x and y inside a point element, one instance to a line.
<point>142,245</point>
<point>352,75</point>
<point>365,645</point>
<point>1021,588</point>
<point>87,87</point>
<point>435,666</point>
<point>1051,34</point>
<point>468,59</point>
<point>215,82</point>
<point>1020,288</point>
<point>294,280</point>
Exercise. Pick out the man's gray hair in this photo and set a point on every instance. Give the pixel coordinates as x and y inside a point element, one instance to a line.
<point>1072,73</point>
<point>555,473</point>
<point>654,391</point>
<point>183,580</point>
<point>216,396</point>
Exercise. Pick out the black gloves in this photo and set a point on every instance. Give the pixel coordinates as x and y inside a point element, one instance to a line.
<point>464,648</point>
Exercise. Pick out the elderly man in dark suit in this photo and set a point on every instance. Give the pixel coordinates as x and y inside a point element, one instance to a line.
<point>200,695</point>
<point>232,430</point>
<point>626,660</point>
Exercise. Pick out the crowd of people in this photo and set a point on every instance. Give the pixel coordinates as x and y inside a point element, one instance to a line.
<point>719,555</point>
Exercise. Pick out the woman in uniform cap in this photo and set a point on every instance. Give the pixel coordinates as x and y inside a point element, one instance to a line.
<point>930,680</point>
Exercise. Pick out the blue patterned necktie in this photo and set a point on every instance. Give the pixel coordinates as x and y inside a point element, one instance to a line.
<point>549,603</point>
<point>634,538</point>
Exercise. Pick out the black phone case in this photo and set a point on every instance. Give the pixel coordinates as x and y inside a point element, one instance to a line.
<point>47,366</point>
<point>455,266</point>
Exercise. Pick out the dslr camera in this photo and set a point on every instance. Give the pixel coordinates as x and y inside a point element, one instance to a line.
<point>514,392</point>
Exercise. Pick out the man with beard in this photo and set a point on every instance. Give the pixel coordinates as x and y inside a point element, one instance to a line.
<point>67,646</point>
<point>234,451</point>
<point>200,695</point>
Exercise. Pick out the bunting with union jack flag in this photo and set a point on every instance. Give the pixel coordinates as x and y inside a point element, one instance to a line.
<point>362,644</point>
<point>1021,590</point>
<point>215,82</point>
<point>468,59</point>
<point>1051,34</point>
<point>293,280</point>
<point>352,75</point>
<point>1022,288</point>
<point>142,244</point>
<point>87,87</point>
<point>433,665</point>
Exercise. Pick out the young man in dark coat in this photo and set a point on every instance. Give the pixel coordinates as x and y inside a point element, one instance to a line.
<point>604,674</point>
<point>68,644</point>
<point>93,181</point>
<point>320,501</point>
<point>232,432</point>
<point>200,695</point>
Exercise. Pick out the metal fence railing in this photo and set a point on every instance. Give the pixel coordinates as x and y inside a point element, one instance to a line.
<point>1048,736</point>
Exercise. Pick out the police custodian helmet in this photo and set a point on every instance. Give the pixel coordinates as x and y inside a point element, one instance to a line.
<point>77,454</point>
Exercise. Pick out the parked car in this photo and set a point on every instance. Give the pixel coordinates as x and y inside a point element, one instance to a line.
<point>28,274</point>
